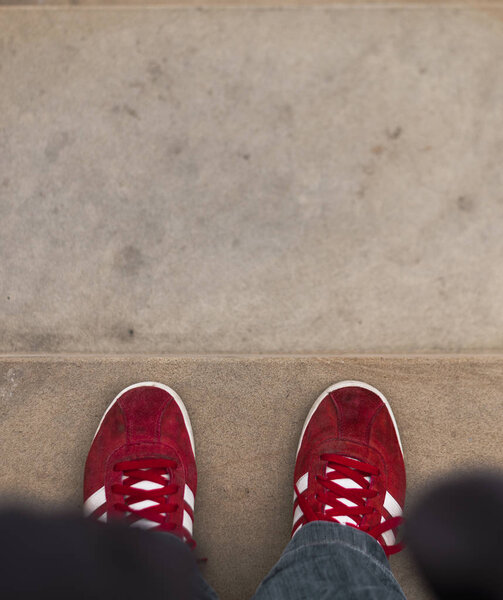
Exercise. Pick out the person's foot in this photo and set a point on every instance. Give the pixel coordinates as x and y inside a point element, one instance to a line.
<point>141,466</point>
<point>350,467</point>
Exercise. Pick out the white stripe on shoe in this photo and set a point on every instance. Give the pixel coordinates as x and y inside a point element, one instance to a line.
<point>302,483</point>
<point>297,515</point>
<point>388,536</point>
<point>391,505</point>
<point>187,522</point>
<point>394,510</point>
<point>188,496</point>
<point>94,501</point>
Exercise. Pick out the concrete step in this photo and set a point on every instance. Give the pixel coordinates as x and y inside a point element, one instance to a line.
<point>247,413</point>
<point>249,4</point>
<point>253,180</point>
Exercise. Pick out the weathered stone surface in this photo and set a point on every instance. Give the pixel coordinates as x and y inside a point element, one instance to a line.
<point>302,180</point>
<point>247,414</point>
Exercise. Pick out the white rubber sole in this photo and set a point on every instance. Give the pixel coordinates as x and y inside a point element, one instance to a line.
<point>344,384</point>
<point>171,392</point>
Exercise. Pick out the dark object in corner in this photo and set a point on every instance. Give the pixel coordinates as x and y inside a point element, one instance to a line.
<point>455,533</point>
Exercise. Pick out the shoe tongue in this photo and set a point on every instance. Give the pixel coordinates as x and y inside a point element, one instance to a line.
<point>349,484</point>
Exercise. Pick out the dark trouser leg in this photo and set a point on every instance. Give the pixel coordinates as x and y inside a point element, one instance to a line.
<point>70,557</point>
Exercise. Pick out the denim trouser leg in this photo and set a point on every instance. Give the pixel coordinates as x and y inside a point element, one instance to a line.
<point>204,591</point>
<point>330,561</point>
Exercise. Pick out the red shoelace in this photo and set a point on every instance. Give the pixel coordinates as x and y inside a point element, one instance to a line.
<point>330,492</point>
<point>158,471</point>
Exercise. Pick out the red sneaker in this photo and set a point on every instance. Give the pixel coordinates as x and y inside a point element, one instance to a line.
<point>350,467</point>
<point>141,466</point>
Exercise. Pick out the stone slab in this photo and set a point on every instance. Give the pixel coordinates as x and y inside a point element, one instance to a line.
<point>247,413</point>
<point>253,180</point>
<point>247,4</point>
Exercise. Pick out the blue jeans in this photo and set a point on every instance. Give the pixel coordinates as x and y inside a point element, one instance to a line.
<point>327,561</point>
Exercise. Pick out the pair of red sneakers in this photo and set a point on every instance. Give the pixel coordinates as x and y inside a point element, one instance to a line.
<point>349,470</point>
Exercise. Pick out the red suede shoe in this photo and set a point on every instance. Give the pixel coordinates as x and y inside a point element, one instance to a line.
<point>141,466</point>
<point>350,467</point>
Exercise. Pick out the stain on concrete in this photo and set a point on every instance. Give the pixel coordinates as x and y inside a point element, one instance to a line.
<point>154,70</point>
<point>176,148</point>
<point>285,114</point>
<point>137,84</point>
<point>129,261</point>
<point>465,203</point>
<point>122,333</point>
<point>12,376</point>
<point>56,145</point>
<point>395,133</point>
<point>361,191</point>
<point>368,169</point>
<point>442,289</point>
<point>8,385</point>
<point>44,341</point>
<point>130,111</point>
<point>125,109</point>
